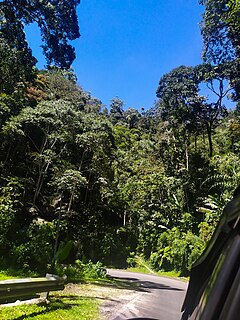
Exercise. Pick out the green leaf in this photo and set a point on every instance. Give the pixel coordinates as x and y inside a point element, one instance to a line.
<point>64,250</point>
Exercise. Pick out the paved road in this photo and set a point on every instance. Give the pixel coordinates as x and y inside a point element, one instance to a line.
<point>157,298</point>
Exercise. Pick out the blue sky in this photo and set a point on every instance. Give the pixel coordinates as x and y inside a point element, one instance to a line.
<point>127,45</point>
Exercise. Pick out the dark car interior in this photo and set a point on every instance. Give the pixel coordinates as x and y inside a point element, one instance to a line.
<point>214,287</point>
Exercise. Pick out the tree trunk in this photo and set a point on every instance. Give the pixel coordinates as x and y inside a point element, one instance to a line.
<point>195,142</point>
<point>187,156</point>
<point>209,134</point>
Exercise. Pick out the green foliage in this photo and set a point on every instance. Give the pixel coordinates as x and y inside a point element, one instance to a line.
<point>16,64</point>
<point>115,248</point>
<point>177,90</point>
<point>227,174</point>
<point>93,270</point>
<point>61,84</point>
<point>212,209</point>
<point>10,204</point>
<point>80,271</point>
<point>69,180</point>
<point>64,250</point>
<point>132,260</point>
<point>176,251</point>
<point>35,252</point>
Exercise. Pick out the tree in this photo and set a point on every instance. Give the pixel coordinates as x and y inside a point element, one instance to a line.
<point>180,101</point>
<point>178,94</point>
<point>16,64</point>
<point>209,113</point>
<point>132,117</point>
<point>177,90</point>
<point>220,30</point>
<point>57,20</point>
<point>62,84</point>
<point>116,111</point>
<point>233,20</point>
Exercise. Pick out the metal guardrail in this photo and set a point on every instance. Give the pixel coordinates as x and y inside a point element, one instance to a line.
<point>19,289</point>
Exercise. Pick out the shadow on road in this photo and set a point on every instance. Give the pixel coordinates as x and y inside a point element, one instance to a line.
<point>138,285</point>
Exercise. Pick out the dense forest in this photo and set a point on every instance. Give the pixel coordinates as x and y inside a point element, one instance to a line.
<point>107,184</point>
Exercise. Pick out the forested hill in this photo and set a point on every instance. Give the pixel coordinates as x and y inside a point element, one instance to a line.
<point>114,182</point>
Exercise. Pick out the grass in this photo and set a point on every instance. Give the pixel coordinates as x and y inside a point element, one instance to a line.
<point>61,307</point>
<point>5,275</point>
<point>13,274</point>
<point>143,267</point>
<point>170,274</point>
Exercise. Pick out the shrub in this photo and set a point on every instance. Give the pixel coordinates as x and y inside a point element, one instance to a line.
<point>131,260</point>
<point>80,271</point>
<point>177,251</point>
<point>36,252</point>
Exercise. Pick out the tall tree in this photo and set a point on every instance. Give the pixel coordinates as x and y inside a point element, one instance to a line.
<point>116,114</point>
<point>180,101</point>
<point>57,20</point>
<point>177,90</point>
<point>220,30</point>
<point>178,93</point>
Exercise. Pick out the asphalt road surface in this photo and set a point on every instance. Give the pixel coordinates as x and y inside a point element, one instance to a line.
<point>157,298</point>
